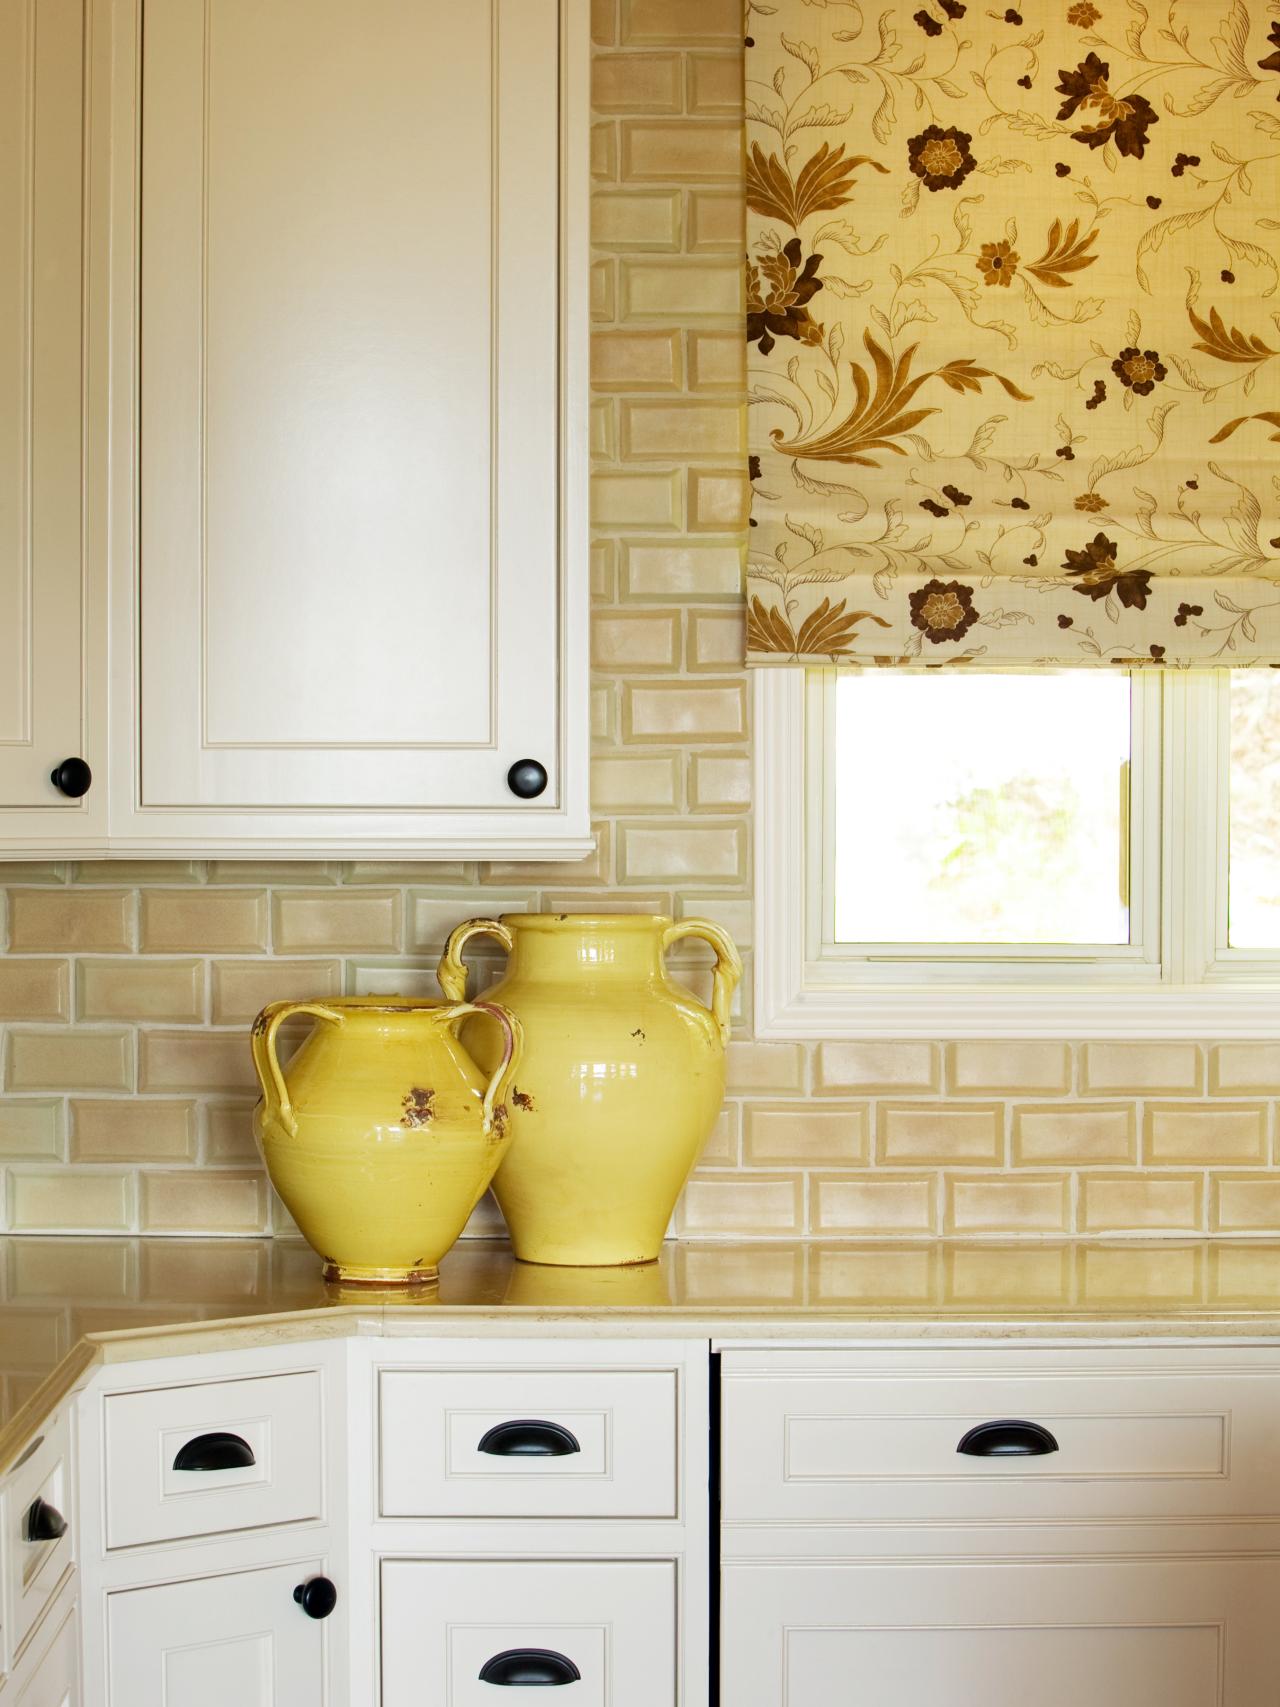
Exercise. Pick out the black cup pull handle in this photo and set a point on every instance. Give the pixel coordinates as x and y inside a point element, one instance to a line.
<point>528,1438</point>
<point>1008,1439</point>
<point>43,1522</point>
<point>529,1668</point>
<point>217,1451</point>
<point>317,1597</point>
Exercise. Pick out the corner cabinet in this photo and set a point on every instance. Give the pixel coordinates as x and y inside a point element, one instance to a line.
<point>333,418</point>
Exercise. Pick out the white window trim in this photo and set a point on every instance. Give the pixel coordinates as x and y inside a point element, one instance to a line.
<point>1211,993</point>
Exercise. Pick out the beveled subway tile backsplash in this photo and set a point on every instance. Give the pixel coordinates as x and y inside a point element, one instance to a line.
<point>125,989</point>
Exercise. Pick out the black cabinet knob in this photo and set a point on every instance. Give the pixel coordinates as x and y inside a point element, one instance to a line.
<point>317,1597</point>
<point>525,1668</point>
<point>43,1522</point>
<point>73,777</point>
<point>527,778</point>
<point>528,1439</point>
<point>215,1452</point>
<point>1007,1439</point>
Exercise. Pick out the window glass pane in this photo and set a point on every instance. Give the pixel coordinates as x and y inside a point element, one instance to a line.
<point>981,808</point>
<point>1253,883</point>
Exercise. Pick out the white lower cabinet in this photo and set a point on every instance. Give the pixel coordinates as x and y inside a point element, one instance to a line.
<point>1143,1633</point>
<point>915,1525</point>
<point>221,1641</point>
<point>453,1632</point>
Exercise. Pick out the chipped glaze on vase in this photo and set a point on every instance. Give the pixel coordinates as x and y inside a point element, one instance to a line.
<point>381,1135</point>
<point>622,1080</point>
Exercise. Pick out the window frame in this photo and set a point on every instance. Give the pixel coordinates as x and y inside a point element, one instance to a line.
<point>1177,978</point>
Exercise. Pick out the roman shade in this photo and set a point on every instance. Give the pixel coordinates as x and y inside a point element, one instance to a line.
<point>1013,322</point>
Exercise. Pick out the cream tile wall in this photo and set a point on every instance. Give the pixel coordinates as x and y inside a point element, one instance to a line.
<point>124,991</point>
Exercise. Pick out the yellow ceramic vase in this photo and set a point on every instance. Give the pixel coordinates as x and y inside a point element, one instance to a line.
<point>622,1080</point>
<point>382,1134</point>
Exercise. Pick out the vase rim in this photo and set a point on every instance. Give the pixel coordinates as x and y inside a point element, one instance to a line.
<point>587,921</point>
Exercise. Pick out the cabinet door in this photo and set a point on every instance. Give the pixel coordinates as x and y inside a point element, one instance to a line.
<point>41,287</point>
<point>454,1630</point>
<point>233,1641</point>
<point>350,492</point>
<point>1192,1633</point>
<point>54,1678</point>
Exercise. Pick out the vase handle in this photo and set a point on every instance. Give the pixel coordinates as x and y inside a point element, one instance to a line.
<point>494,1104</point>
<point>262,1041</point>
<point>452,974</point>
<point>728,964</point>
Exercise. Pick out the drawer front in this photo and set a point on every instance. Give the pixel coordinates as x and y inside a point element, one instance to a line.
<point>38,1532</point>
<point>528,1443</point>
<point>866,1442</point>
<point>212,1457</point>
<point>1194,1633</point>
<point>606,1629</point>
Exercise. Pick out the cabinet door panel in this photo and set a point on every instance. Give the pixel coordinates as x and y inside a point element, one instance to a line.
<point>1192,1633</point>
<point>40,398</point>
<point>54,1680</point>
<point>216,1641</point>
<point>349,351</point>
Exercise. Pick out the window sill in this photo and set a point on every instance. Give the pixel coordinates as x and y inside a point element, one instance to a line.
<point>905,1011</point>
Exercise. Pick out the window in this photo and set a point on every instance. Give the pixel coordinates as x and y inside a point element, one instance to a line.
<point>1073,852</point>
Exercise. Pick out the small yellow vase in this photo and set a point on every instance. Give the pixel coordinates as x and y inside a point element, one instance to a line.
<point>622,1081</point>
<point>382,1134</point>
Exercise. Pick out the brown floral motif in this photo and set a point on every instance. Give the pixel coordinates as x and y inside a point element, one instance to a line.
<point>827,629</point>
<point>1126,121</point>
<point>1099,575</point>
<point>879,417</point>
<point>1065,251</point>
<point>825,182</point>
<point>942,610</point>
<point>941,157</point>
<point>1091,501</point>
<point>1227,345</point>
<point>997,263</point>
<point>1139,370</point>
<point>1270,416</point>
<point>1083,15</point>
<point>778,290</point>
<point>1272,61</point>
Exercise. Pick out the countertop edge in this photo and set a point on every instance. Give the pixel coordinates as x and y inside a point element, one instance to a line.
<point>739,1324</point>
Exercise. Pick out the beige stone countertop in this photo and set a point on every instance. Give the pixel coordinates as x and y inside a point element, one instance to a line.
<point>67,1304</point>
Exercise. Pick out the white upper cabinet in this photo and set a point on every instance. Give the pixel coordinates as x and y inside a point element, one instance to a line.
<point>342,250</point>
<point>43,604</point>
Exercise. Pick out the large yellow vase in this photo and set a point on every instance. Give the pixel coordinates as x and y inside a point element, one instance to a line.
<point>622,1081</point>
<point>382,1134</point>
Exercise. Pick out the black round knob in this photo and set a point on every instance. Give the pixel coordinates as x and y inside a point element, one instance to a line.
<point>527,778</point>
<point>317,1597</point>
<point>73,777</point>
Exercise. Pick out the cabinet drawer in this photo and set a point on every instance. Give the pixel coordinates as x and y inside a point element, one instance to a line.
<point>528,1443</point>
<point>811,1439</point>
<point>607,1629</point>
<point>212,1457</point>
<point>38,1540</point>
<point>1145,1633</point>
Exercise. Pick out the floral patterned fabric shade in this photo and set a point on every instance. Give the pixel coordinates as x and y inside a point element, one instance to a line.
<point>1014,329</point>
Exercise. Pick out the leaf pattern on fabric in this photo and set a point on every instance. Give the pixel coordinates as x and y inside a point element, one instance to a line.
<point>1013,304</point>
